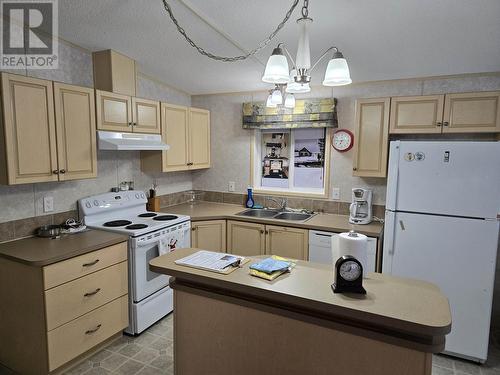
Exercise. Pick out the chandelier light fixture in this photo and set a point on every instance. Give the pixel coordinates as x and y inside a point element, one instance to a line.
<point>277,71</point>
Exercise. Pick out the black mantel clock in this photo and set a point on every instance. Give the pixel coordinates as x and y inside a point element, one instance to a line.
<point>348,276</point>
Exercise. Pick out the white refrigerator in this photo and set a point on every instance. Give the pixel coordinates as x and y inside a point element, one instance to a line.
<point>442,226</point>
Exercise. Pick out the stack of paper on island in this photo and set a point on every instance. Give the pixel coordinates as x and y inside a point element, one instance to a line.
<point>271,268</point>
<point>212,261</point>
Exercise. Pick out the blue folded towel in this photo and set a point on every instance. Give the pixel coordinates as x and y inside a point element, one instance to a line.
<point>270,265</point>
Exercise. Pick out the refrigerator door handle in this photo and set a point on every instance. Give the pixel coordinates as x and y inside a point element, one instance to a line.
<point>393,175</point>
<point>388,249</point>
<point>401,224</point>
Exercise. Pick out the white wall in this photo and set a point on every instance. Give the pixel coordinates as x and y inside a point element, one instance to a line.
<point>231,143</point>
<point>75,67</point>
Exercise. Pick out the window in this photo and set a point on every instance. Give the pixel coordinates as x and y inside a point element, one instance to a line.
<point>291,160</point>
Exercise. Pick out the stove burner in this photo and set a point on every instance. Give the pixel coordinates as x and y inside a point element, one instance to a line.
<point>117,223</point>
<point>136,226</point>
<point>148,214</point>
<point>165,217</point>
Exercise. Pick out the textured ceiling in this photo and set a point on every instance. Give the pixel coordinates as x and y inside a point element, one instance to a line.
<point>383,39</point>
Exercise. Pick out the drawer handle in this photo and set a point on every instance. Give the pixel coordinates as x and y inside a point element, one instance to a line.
<point>92,293</point>
<point>91,263</point>
<point>91,331</point>
<point>439,123</point>
<point>446,123</point>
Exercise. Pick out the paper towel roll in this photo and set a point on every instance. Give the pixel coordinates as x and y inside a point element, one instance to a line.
<point>351,243</point>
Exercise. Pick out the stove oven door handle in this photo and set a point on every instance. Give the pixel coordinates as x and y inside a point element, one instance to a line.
<point>152,240</point>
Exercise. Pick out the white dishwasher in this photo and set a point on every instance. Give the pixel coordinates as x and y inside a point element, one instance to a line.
<point>323,244</point>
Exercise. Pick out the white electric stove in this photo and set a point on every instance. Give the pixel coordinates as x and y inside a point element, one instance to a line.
<point>150,234</point>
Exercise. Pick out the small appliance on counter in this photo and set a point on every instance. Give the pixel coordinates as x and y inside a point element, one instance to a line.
<point>361,206</point>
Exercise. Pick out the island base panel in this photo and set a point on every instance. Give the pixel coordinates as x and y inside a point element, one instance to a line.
<point>223,338</point>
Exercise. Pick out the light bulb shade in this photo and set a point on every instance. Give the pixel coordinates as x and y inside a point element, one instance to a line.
<point>337,72</point>
<point>303,58</point>
<point>269,102</point>
<point>290,101</point>
<point>276,97</point>
<point>297,88</point>
<point>276,68</point>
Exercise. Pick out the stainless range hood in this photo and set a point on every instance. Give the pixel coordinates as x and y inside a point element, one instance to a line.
<point>129,141</point>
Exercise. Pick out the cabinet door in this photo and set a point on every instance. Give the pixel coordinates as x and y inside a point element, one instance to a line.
<point>416,114</point>
<point>29,129</point>
<point>146,116</point>
<point>174,127</point>
<point>199,138</point>
<point>76,137</point>
<point>209,235</point>
<point>371,138</point>
<point>245,239</point>
<point>472,113</point>
<point>114,111</point>
<point>287,242</point>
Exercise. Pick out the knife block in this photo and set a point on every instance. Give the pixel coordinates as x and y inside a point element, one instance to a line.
<point>153,204</point>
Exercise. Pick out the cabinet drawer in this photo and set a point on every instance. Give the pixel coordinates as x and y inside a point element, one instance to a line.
<point>78,297</point>
<point>76,337</point>
<point>59,273</point>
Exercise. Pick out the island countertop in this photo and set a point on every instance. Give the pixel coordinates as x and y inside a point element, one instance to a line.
<point>226,211</point>
<point>398,307</point>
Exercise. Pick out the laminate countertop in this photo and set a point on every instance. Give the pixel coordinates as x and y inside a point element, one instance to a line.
<point>224,211</point>
<point>399,308</point>
<point>39,252</point>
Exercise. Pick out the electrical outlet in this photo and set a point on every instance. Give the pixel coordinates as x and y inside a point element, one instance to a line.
<point>336,193</point>
<point>48,204</point>
<point>231,186</point>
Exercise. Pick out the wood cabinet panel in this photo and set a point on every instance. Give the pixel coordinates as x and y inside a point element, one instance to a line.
<point>209,235</point>
<point>114,111</point>
<point>371,142</point>
<point>70,269</point>
<point>146,116</point>
<point>199,138</point>
<point>247,239</point>
<point>114,72</point>
<point>472,113</point>
<point>287,242</point>
<point>416,114</point>
<point>75,298</point>
<point>76,337</point>
<point>29,129</point>
<point>175,134</point>
<point>76,137</point>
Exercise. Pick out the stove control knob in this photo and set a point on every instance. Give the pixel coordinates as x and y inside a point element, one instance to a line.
<point>142,195</point>
<point>88,204</point>
<point>137,195</point>
<point>96,203</point>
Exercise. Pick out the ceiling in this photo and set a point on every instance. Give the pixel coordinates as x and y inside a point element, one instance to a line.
<point>383,39</point>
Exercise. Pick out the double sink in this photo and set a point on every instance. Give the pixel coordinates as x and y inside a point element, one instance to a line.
<point>265,213</point>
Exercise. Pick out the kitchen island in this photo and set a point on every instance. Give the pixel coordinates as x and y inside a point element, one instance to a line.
<point>239,324</point>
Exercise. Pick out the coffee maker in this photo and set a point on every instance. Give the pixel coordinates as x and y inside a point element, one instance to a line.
<point>361,206</point>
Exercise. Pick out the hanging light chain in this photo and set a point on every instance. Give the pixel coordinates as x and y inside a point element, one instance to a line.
<point>260,46</point>
<point>305,9</point>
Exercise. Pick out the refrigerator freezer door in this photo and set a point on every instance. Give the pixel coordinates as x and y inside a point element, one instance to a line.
<point>459,256</point>
<point>445,178</point>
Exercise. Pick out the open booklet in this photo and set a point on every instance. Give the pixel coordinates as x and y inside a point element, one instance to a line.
<point>212,261</point>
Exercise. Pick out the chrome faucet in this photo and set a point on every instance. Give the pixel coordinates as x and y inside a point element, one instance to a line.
<point>281,202</point>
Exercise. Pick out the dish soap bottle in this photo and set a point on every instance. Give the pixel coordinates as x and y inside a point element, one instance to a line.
<point>250,201</point>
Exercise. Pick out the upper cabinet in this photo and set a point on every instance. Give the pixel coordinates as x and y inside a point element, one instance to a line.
<point>371,138</point>
<point>187,132</point>
<point>75,130</point>
<point>477,112</point>
<point>451,113</point>
<point>416,114</point>
<point>122,113</point>
<point>114,72</point>
<point>48,131</point>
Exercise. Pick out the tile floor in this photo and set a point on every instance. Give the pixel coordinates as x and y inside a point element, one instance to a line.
<point>151,353</point>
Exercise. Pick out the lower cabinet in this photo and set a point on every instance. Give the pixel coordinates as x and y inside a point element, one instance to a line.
<point>58,312</point>
<point>209,235</point>
<point>249,239</point>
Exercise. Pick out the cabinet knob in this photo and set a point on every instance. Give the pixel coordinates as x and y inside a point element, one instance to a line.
<point>193,229</point>
<point>55,171</point>
<point>439,123</point>
<point>62,171</point>
<point>134,124</point>
<point>262,231</point>
<point>446,123</point>
<point>355,169</point>
<point>189,164</point>
<point>129,124</point>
